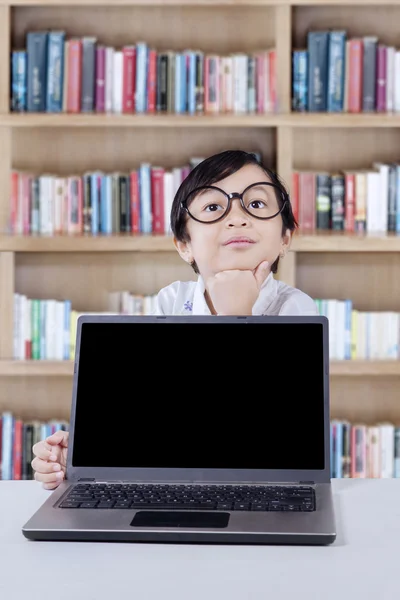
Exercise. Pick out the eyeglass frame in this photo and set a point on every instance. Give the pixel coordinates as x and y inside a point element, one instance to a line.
<point>233,195</point>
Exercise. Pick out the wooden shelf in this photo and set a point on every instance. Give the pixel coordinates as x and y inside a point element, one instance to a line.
<point>44,368</point>
<point>365,368</point>
<point>196,2</point>
<point>345,242</point>
<point>139,120</point>
<point>295,120</point>
<point>39,368</point>
<point>318,242</point>
<point>81,243</point>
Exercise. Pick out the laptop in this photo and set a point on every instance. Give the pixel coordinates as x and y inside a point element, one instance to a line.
<point>196,430</point>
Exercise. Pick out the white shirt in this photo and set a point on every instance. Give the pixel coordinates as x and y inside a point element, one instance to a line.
<point>275,298</point>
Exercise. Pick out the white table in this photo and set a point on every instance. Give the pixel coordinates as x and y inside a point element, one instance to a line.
<point>363,563</point>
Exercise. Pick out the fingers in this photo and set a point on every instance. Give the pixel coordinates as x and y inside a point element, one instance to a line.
<point>261,272</point>
<point>50,481</point>
<point>43,467</point>
<point>58,438</point>
<point>45,451</point>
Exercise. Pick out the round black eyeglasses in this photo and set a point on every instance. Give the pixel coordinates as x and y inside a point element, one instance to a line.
<point>209,204</point>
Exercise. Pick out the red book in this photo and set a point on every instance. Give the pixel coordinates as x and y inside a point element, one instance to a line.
<point>74,82</point>
<point>349,201</point>
<point>135,202</point>
<point>272,79</point>
<point>157,199</point>
<point>152,81</point>
<point>100,79</point>
<point>355,74</point>
<point>14,202</point>
<point>294,196</point>
<point>17,449</point>
<point>128,78</point>
<point>307,204</point>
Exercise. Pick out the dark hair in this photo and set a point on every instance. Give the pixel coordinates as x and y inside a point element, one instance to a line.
<point>214,169</point>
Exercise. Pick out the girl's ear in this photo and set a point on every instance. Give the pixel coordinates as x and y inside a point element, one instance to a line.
<point>285,243</point>
<point>184,250</point>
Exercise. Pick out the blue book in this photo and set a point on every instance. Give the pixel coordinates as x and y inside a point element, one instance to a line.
<point>191,85</point>
<point>145,198</point>
<point>105,204</point>
<point>397,198</point>
<point>317,46</point>
<point>141,76</point>
<point>7,445</point>
<point>336,66</point>
<point>19,62</point>
<point>55,71</point>
<point>300,80</point>
<point>95,201</point>
<point>37,44</point>
<point>339,449</point>
<point>67,328</point>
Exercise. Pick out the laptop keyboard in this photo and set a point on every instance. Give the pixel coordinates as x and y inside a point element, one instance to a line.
<point>198,497</point>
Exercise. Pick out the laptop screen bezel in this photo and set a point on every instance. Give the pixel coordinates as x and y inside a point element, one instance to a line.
<point>177,475</point>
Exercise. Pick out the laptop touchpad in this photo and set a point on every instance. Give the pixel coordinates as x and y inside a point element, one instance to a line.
<point>176,518</point>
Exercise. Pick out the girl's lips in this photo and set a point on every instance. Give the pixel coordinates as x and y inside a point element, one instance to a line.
<point>239,241</point>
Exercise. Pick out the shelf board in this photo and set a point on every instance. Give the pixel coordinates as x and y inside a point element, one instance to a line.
<point>148,2</point>
<point>44,368</point>
<point>365,368</point>
<point>81,243</point>
<point>138,120</point>
<point>296,120</point>
<point>40,368</point>
<point>345,120</point>
<point>330,241</point>
<point>313,242</point>
<point>197,2</point>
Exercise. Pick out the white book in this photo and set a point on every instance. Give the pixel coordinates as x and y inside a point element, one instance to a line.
<point>373,195</point>
<point>332,327</point>
<point>383,196</point>
<point>59,202</point>
<point>373,452</point>
<point>109,79</point>
<point>59,337</point>
<point>397,81</point>
<point>117,81</point>
<point>390,78</point>
<point>340,329</point>
<point>387,449</point>
<point>227,68</point>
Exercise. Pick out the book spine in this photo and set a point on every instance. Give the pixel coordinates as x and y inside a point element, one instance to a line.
<point>318,70</point>
<point>323,200</point>
<point>369,73</point>
<point>37,43</point>
<point>300,80</point>
<point>88,74</point>
<point>55,71</point>
<point>381,78</point>
<point>338,201</point>
<point>336,63</point>
<point>100,86</point>
<point>19,81</point>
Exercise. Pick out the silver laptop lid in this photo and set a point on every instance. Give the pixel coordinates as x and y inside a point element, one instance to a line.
<point>200,399</point>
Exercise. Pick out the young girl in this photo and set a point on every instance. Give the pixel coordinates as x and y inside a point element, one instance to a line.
<point>232,221</point>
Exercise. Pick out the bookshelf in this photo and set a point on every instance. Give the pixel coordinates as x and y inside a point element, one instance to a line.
<point>363,268</point>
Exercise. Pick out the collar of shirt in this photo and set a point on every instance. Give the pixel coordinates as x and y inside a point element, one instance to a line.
<point>268,292</point>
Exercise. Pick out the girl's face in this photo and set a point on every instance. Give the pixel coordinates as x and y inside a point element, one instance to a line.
<point>239,240</point>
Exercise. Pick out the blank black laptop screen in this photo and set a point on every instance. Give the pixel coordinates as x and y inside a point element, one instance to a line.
<point>240,396</point>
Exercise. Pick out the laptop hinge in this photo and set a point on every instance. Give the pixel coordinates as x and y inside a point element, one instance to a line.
<point>307,482</point>
<point>86,479</point>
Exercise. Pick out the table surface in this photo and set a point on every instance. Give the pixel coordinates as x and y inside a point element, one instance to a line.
<point>363,563</point>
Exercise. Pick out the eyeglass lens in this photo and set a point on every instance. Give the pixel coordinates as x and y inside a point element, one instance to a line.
<point>209,204</point>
